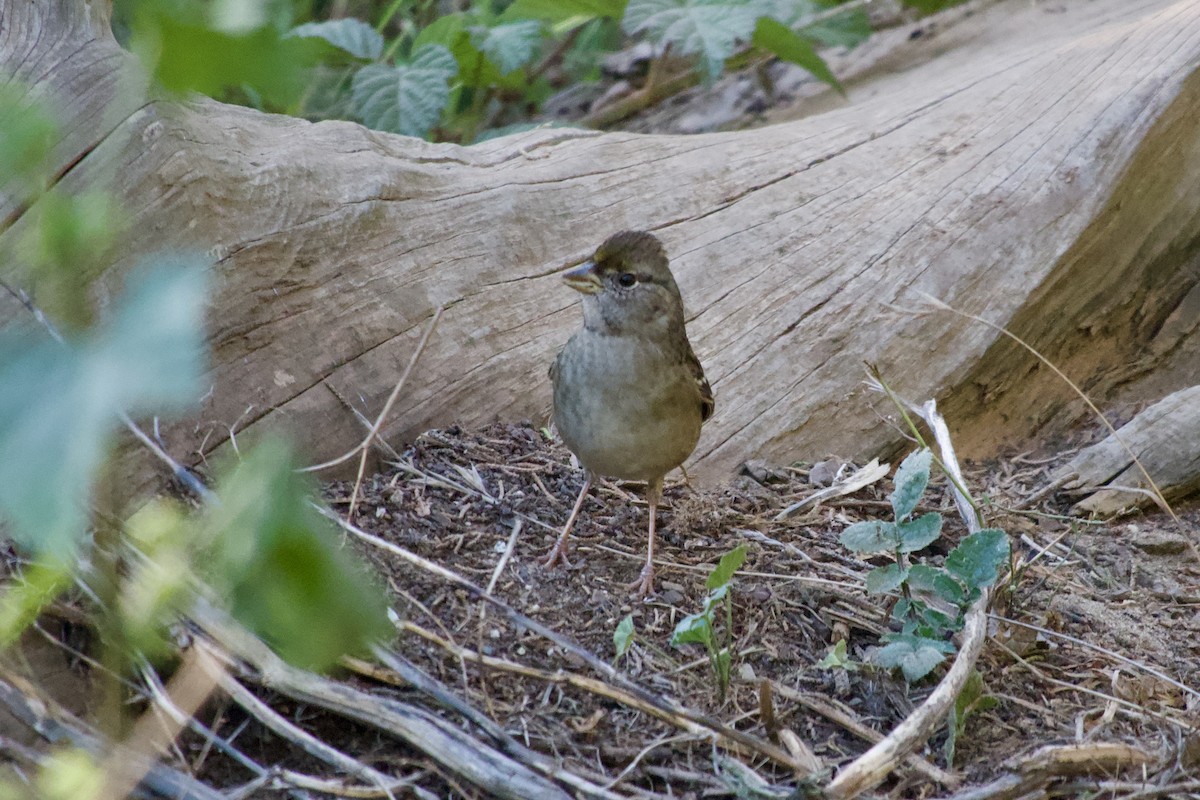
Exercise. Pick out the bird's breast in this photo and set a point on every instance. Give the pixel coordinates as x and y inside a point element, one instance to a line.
<point>625,406</point>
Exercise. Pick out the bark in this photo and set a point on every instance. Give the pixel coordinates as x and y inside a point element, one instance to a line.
<point>1162,438</point>
<point>1041,170</point>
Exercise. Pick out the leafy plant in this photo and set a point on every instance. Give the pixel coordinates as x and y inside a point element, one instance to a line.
<point>67,390</point>
<point>972,698</point>
<point>837,658</point>
<point>713,30</point>
<point>232,51</point>
<point>700,628</point>
<point>933,599</point>
<point>486,67</point>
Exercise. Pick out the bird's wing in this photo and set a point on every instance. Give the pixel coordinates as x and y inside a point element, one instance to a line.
<point>707,403</point>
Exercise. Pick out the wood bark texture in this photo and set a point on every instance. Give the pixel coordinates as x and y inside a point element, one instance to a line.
<point>1163,438</point>
<point>1042,171</point>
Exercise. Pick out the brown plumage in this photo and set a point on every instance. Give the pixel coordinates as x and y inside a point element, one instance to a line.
<point>629,393</point>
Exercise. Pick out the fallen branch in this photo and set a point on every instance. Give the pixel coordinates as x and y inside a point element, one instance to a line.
<point>59,727</point>
<point>600,689</point>
<point>851,724</point>
<point>1057,761</point>
<point>873,766</point>
<point>473,761</point>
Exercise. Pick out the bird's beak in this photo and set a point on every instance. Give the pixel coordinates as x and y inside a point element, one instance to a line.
<point>583,278</point>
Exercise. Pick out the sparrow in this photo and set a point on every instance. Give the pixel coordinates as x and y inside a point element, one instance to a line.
<point>629,393</point>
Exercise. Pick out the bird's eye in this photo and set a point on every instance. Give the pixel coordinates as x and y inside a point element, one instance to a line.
<point>627,279</point>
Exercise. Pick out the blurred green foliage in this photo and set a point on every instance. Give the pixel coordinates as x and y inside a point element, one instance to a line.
<point>460,71</point>
<point>72,374</point>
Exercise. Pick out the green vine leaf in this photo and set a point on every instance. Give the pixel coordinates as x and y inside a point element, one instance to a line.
<point>919,533</point>
<point>510,45</point>
<point>886,578</point>
<point>407,98</point>
<point>709,29</point>
<point>693,629</point>
<point>916,656</point>
<point>871,536</point>
<point>561,10</point>
<point>978,558</point>
<point>775,37</point>
<point>347,34</point>
<point>912,476</point>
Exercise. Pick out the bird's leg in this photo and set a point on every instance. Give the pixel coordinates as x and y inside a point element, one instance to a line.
<point>559,553</point>
<point>644,585</point>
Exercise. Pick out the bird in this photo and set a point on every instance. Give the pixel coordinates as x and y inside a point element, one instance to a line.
<point>630,395</point>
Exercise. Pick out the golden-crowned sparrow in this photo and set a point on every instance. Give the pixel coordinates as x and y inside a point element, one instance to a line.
<point>629,393</point>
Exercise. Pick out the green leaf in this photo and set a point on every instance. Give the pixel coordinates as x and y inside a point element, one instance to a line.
<point>446,31</point>
<point>872,536</point>
<point>972,690</point>
<point>407,98</point>
<point>777,38</point>
<point>715,597</point>
<point>152,352</point>
<point>930,6</point>
<point>60,403</point>
<point>693,629</point>
<point>623,636</point>
<point>280,564</point>
<point>70,232</point>
<point>510,45</point>
<point>848,29</point>
<point>972,698</point>
<point>837,658</point>
<point>68,772</point>
<point>349,34</point>
<point>916,656</point>
<point>24,596</point>
<point>925,579</point>
<point>789,12</point>
<point>729,564</point>
<point>911,479</point>
<point>919,533</point>
<point>559,10</point>
<point>582,62</point>
<point>886,578</point>
<point>933,623</point>
<point>709,29</point>
<point>954,728</point>
<point>978,558</point>
<point>185,54</point>
<point>29,134</point>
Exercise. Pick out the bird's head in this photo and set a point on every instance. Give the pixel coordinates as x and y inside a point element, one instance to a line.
<point>627,286</point>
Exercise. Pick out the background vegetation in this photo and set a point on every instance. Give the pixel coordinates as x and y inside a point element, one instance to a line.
<point>464,71</point>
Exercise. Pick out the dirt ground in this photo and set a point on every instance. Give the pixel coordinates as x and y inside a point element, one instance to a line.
<point>1093,635</point>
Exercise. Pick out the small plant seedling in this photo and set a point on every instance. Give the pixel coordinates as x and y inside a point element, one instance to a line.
<point>623,637</point>
<point>837,658</point>
<point>933,599</point>
<point>972,698</point>
<point>700,628</point>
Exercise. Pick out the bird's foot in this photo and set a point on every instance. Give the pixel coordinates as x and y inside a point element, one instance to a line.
<point>644,585</point>
<point>557,556</point>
